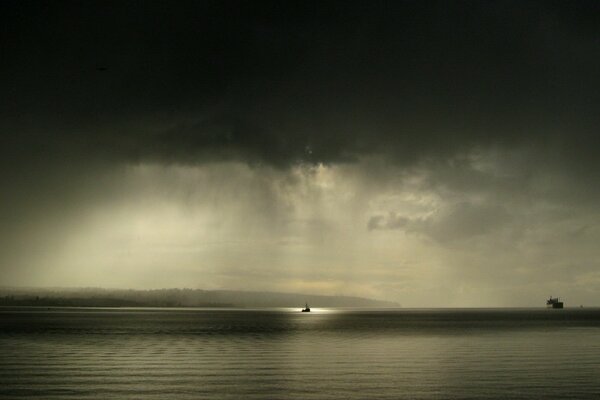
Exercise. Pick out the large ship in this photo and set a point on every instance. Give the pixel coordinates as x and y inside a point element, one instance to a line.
<point>554,303</point>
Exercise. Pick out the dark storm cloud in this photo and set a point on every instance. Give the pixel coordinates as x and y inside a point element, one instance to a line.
<point>287,82</point>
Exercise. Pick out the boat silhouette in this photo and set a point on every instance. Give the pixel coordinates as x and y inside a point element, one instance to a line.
<point>306,309</point>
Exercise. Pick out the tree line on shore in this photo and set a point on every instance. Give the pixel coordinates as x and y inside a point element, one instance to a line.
<point>99,297</point>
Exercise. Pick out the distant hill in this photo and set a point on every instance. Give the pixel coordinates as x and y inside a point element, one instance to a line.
<point>97,297</point>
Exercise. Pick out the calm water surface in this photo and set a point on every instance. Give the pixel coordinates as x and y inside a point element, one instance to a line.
<point>285,354</point>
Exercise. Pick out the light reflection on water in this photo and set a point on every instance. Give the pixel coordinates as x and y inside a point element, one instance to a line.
<point>282,353</point>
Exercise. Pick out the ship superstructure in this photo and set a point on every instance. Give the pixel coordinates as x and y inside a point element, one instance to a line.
<point>554,303</point>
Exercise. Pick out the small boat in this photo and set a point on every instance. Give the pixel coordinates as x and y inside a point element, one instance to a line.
<point>554,303</point>
<point>306,309</point>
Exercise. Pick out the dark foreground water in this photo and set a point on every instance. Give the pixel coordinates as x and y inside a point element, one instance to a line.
<point>285,354</point>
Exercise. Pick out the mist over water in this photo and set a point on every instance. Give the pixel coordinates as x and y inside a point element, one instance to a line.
<point>282,353</point>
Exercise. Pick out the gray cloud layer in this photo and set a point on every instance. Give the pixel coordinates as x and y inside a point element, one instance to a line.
<point>461,221</point>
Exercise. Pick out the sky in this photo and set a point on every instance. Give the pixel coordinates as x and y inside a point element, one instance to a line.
<point>432,153</point>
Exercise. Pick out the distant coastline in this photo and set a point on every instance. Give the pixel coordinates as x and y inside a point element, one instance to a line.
<point>99,297</point>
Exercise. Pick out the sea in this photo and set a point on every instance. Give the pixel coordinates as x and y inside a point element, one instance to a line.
<point>76,353</point>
